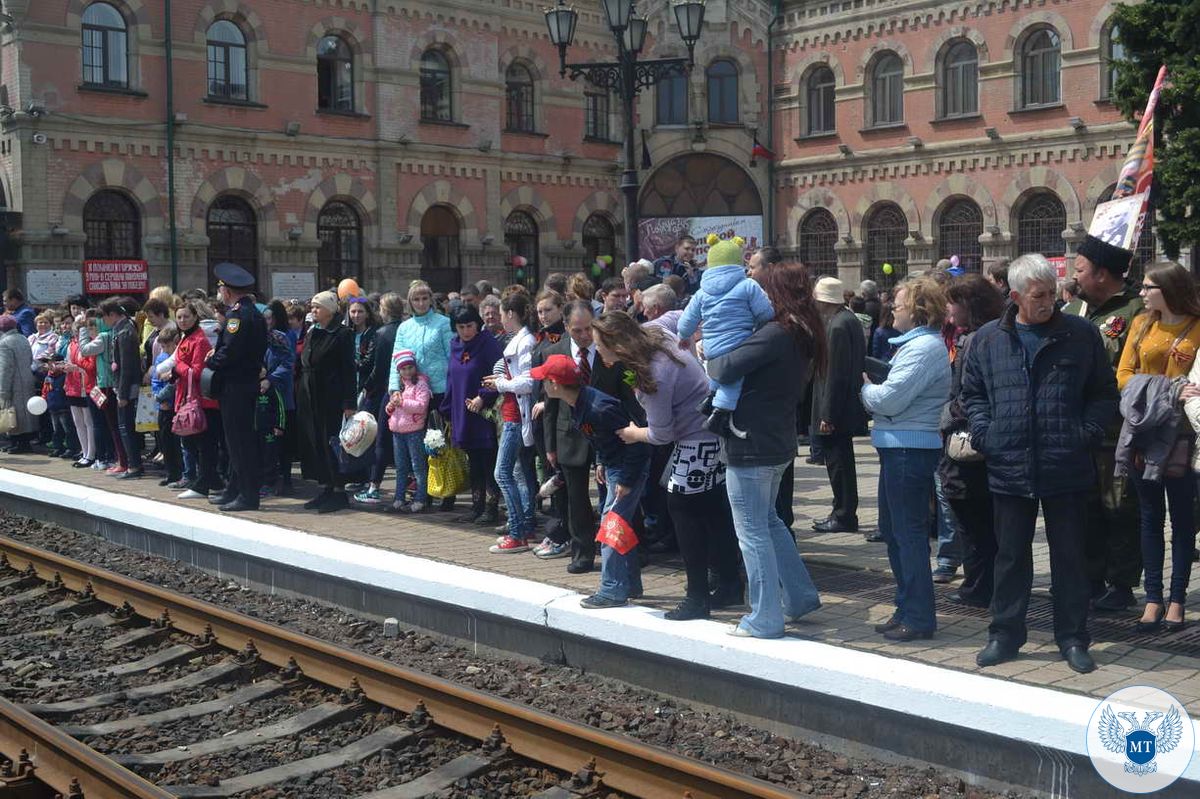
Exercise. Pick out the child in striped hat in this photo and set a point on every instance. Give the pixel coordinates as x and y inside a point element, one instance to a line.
<point>406,419</point>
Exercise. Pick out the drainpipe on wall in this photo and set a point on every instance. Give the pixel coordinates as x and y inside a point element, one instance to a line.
<point>174,233</point>
<point>776,15</point>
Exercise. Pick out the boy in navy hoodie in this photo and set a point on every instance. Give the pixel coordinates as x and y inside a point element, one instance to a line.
<point>622,467</point>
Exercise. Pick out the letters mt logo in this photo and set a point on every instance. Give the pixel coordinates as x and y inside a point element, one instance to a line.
<point>1140,739</point>
<point>1140,744</point>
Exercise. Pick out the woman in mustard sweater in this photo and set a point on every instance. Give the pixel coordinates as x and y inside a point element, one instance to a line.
<point>1164,341</point>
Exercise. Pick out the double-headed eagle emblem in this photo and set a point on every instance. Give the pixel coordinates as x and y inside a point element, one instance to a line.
<point>1139,744</point>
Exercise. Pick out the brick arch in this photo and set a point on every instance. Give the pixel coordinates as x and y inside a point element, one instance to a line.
<point>347,29</point>
<point>601,202</point>
<point>442,192</point>
<point>527,56</point>
<point>235,180</point>
<point>811,200</point>
<point>347,189</point>
<point>799,72</point>
<point>887,192</point>
<point>1040,177</point>
<point>445,40</point>
<point>882,46</point>
<point>135,13</point>
<point>527,198</point>
<point>1038,19</point>
<point>959,186</point>
<point>1101,23</point>
<point>113,173</point>
<point>251,22</point>
<point>938,45</point>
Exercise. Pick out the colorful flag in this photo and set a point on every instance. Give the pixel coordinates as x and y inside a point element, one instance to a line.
<point>760,151</point>
<point>1138,170</point>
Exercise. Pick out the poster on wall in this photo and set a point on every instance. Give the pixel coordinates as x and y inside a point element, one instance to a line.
<point>116,277</point>
<point>657,235</point>
<point>293,285</point>
<point>52,286</point>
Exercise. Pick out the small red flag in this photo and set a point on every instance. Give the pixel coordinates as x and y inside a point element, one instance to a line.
<point>761,152</point>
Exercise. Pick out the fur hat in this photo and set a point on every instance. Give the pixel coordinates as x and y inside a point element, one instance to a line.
<point>727,252</point>
<point>830,290</point>
<point>1106,256</point>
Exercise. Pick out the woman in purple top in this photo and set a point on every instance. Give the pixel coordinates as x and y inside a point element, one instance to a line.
<point>670,384</point>
<point>473,353</point>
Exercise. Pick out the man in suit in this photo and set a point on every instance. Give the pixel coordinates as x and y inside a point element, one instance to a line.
<point>836,410</point>
<point>566,447</point>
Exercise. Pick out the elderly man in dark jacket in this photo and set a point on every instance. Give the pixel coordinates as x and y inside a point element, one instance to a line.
<point>1039,392</point>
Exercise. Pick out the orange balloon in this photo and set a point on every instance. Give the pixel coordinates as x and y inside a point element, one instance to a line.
<point>348,288</point>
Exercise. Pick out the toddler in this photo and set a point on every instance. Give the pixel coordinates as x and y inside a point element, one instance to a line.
<point>406,419</point>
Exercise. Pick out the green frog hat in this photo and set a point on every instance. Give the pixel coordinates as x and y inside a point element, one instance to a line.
<point>725,252</point>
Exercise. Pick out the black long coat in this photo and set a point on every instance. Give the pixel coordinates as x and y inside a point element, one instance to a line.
<point>328,386</point>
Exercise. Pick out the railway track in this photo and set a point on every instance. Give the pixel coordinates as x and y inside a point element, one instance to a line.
<point>118,688</point>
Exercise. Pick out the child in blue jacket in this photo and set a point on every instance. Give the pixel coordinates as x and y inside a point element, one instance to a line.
<point>731,306</point>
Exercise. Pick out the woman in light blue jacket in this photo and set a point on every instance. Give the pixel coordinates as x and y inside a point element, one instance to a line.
<point>427,333</point>
<point>906,408</point>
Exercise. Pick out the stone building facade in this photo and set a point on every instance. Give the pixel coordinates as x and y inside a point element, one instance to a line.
<point>321,139</point>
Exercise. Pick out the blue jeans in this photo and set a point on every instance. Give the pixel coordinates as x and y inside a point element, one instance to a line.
<point>949,550</point>
<point>727,394</point>
<point>621,575</point>
<point>515,481</point>
<point>779,581</point>
<point>1152,506</point>
<point>408,453</point>
<point>905,488</point>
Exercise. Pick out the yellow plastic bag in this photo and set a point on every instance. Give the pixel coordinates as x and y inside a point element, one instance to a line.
<point>447,473</point>
<point>146,420</point>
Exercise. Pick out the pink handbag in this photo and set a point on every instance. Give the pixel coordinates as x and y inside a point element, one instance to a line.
<point>190,419</point>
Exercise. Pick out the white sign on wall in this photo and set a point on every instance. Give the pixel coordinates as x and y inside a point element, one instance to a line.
<point>657,235</point>
<point>292,286</point>
<point>52,286</point>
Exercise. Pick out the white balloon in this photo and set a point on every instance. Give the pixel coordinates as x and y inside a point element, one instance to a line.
<point>36,406</point>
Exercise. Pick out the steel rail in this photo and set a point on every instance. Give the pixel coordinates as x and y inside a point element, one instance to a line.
<point>66,765</point>
<point>625,764</point>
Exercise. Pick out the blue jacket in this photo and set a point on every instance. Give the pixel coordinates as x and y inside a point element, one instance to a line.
<point>599,416</point>
<point>1037,425</point>
<point>280,360</point>
<point>908,404</point>
<point>732,307</point>
<point>429,337</point>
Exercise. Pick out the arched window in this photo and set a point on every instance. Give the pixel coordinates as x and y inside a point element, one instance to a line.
<point>521,238</point>
<point>340,232</point>
<point>105,47</point>
<point>435,87</point>
<point>670,106</point>
<point>228,71</point>
<point>884,233</point>
<point>819,114</point>
<point>113,227</point>
<point>441,261</point>
<point>1041,220</point>
<point>960,80</point>
<point>232,234</point>
<point>722,76</point>
<point>335,75</point>
<point>886,102</point>
<point>518,96</point>
<point>959,227</point>
<point>1112,51</point>
<point>1040,60</point>
<point>599,238</point>
<point>818,235</point>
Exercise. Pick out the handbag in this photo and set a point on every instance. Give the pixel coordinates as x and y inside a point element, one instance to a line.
<point>447,472</point>
<point>959,449</point>
<point>146,418</point>
<point>190,419</point>
<point>98,396</point>
<point>8,419</point>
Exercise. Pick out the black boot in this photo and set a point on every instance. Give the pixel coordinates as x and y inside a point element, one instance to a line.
<point>337,500</point>
<point>474,513</point>
<point>316,501</point>
<point>491,515</point>
<point>690,608</point>
<point>730,595</point>
<point>705,408</point>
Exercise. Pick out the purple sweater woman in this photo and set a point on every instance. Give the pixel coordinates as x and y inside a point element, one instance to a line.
<point>473,353</point>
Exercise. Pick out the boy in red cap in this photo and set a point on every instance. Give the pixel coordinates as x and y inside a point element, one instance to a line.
<point>622,467</point>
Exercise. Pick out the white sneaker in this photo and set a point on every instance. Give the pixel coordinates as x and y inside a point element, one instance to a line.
<point>416,507</point>
<point>190,494</point>
<point>546,542</point>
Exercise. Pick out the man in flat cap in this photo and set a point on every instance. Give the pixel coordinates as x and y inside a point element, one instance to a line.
<point>1114,554</point>
<point>236,363</point>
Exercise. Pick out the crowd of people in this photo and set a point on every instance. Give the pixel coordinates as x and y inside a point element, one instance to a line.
<point>673,396</point>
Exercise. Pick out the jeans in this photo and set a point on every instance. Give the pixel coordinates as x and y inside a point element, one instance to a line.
<point>621,575</point>
<point>1152,501</point>
<point>949,550</point>
<point>64,431</point>
<point>113,421</point>
<point>130,437</point>
<point>905,488</point>
<point>515,481</point>
<point>101,438</point>
<point>385,452</point>
<point>408,449</point>
<point>726,395</point>
<point>772,561</point>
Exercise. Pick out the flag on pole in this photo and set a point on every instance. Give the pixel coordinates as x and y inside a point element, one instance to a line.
<point>1137,173</point>
<point>760,151</point>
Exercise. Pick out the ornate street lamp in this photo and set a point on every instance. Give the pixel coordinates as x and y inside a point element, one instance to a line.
<point>627,75</point>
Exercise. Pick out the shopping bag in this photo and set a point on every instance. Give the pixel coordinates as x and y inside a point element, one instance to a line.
<point>358,434</point>
<point>8,419</point>
<point>616,533</point>
<point>146,419</point>
<point>350,465</point>
<point>447,473</point>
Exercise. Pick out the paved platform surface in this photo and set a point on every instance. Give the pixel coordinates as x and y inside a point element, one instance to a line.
<point>851,573</point>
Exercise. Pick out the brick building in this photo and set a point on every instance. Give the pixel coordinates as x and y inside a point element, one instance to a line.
<point>390,139</point>
<point>317,139</point>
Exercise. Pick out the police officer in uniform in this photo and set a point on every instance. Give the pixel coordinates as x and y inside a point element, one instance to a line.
<point>236,362</point>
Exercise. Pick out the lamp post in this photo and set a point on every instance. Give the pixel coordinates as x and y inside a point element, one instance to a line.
<point>627,75</point>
